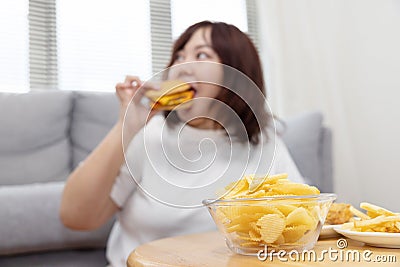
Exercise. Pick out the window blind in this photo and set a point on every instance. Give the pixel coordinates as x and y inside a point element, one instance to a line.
<point>43,71</point>
<point>161,36</point>
<point>252,22</point>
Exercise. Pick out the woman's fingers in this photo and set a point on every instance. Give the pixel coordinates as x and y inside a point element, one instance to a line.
<point>129,89</point>
<point>133,80</point>
<point>134,88</point>
<point>124,94</point>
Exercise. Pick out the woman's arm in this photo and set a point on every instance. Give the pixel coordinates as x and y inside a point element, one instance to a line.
<point>86,203</point>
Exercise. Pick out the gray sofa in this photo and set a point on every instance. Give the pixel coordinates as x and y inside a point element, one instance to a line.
<point>45,134</point>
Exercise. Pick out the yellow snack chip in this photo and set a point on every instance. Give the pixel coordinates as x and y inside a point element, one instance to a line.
<point>254,227</point>
<point>221,217</point>
<point>294,233</point>
<point>280,240</point>
<point>246,218</point>
<point>271,227</point>
<point>300,216</point>
<point>258,194</point>
<point>254,235</point>
<point>244,236</point>
<point>234,228</point>
<point>286,209</point>
<point>256,182</point>
<point>231,212</point>
<point>236,188</point>
<point>295,189</point>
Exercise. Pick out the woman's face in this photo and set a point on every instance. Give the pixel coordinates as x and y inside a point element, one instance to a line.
<point>201,71</point>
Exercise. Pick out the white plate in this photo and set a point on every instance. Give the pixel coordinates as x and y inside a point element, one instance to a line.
<point>328,231</point>
<point>375,239</point>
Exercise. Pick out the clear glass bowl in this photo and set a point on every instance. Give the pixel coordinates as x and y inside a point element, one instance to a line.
<point>270,223</point>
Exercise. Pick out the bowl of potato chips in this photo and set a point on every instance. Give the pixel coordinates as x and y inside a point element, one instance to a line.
<point>269,213</point>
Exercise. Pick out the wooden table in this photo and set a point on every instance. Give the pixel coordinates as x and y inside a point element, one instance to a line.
<point>209,249</point>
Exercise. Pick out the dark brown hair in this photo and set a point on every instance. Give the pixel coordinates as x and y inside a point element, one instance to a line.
<point>236,50</point>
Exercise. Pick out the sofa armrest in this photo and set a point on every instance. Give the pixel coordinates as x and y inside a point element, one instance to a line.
<point>310,144</point>
<point>29,219</point>
<point>326,181</point>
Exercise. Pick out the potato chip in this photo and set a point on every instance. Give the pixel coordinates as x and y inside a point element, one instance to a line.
<point>280,240</point>
<point>300,216</point>
<point>271,227</point>
<point>231,211</point>
<point>295,189</point>
<point>246,218</point>
<point>244,236</point>
<point>234,228</point>
<point>256,182</point>
<point>254,227</point>
<point>221,217</point>
<point>316,213</point>
<point>286,209</point>
<point>293,233</point>
<point>254,235</point>
<point>258,209</point>
<point>258,194</point>
<point>236,188</point>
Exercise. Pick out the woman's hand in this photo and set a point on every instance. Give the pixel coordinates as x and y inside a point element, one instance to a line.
<point>133,114</point>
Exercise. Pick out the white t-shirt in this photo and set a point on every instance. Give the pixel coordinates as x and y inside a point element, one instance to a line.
<point>176,169</point>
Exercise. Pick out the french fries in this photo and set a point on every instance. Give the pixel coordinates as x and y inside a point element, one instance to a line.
<point>377,219</point>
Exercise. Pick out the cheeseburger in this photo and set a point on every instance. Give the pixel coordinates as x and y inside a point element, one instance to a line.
<point>173,93</point>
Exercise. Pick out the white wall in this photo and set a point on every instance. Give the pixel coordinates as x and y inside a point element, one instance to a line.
<point>343,58</point>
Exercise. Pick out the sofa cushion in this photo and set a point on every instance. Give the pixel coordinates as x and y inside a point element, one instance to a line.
<point>302,136</point>
<point>93,116</point>
<point>66,258</point>
<point>30,221</point>
<point>34,141</point>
